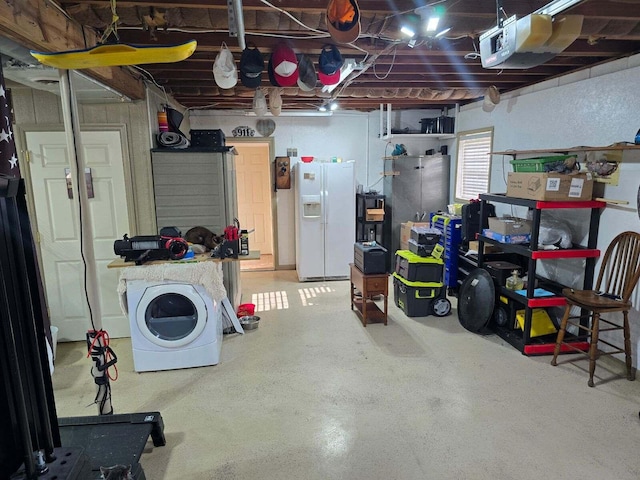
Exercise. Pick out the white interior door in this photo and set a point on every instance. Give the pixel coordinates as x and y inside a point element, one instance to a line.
<point>254,195</point>
<point>59,230</point>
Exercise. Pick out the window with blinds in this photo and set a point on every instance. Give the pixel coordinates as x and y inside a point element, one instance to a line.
<point>473,164</point>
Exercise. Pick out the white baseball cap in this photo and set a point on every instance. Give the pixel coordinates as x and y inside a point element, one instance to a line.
<point>224,68</point>
<point>259,103</point>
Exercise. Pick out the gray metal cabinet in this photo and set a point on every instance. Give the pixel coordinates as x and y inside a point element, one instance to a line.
<point>198,188</point>
<point>419,187</point>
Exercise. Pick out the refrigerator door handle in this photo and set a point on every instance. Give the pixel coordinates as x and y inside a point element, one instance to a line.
<point>325,206</point>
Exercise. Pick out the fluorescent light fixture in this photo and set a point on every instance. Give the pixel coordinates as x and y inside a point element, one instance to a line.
<point>408,31</point>
<point>432,24</point>
<point>333,106</point>
<point>443,32</point>
<point>347,67</point>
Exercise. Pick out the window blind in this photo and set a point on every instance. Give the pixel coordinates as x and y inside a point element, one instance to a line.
<point>473,165</point>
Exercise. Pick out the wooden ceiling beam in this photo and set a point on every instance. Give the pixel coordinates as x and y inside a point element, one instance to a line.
<point>38,25</point>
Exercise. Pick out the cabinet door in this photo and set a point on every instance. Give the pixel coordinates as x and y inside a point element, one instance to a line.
<point>435,183</point>
<point>190,190</point>
<point>407,197</point>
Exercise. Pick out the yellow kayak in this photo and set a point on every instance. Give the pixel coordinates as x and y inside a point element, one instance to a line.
<point>117,54</point>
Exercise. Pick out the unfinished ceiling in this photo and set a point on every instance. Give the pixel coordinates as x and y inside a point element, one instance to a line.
<point>434,72</point>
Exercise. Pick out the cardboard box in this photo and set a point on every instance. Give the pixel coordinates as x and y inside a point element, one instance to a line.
<point>524,238</point>
<point>550,186</point>
<point>405,232</point>
<point>473,245</point>
<point>509,225</point>
<point>376,214</point>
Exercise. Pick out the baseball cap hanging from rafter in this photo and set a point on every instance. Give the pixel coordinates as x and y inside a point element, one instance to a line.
<point>343,20</point>
<point>224,68</point>
<point>308,77</point>
<point>251,66</point>
<point>330,63</point>
<point>275,101</point>
<point>259,103</point>
<point>283,66</point>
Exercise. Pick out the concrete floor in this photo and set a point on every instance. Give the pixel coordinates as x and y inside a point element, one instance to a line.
<point>311,394</point>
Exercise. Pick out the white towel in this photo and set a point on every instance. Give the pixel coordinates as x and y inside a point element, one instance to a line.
<point>207,273</point>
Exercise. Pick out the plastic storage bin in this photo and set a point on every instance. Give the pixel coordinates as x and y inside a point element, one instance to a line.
<point>541,323</point>
<point>415,268</point>
<point>536,164</point>
<point>415,299</point>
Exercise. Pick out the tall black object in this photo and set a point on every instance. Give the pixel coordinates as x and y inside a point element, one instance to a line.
<point>373,228</point>
<point>28,420</point>
<point>27,408</point>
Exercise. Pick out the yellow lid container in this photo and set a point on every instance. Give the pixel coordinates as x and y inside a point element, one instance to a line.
<point>533,31</point>
<point>541,324</point>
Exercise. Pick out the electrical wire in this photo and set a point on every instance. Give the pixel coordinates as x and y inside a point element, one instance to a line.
<point>81,233</point>
<point>393,62</point>
<point>101,340</point>
<point>150,77</point>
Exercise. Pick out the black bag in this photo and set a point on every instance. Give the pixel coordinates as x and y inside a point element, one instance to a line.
<point>471,219</point>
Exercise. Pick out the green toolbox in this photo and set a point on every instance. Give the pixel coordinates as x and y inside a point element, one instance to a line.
<point>419,299</point>
<point>415,268</point>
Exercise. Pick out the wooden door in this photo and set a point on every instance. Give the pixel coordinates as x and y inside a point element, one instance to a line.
<point>58,228</point>
<point>254,195</point>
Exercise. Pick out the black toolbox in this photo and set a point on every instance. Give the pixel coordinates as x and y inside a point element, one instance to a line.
<point>425,235</point>
<point>501,270</point>
<point>207,138</point>
<point>420,249</point>
<point>370,257</point>
<point>415,268</point>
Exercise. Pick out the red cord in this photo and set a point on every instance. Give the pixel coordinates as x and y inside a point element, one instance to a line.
<point>102,334</point>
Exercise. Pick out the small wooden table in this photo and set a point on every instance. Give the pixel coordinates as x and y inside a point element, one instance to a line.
<point>369,286</point>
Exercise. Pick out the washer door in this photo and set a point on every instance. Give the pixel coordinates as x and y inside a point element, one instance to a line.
<point>171,315</point>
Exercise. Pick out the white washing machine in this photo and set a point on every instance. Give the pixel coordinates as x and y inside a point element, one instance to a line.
<point>173,325</point>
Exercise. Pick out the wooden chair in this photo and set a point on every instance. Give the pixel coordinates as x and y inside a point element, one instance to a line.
<point>616,281</point>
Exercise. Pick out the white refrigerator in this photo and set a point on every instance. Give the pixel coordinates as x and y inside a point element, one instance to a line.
<point>325,210</point>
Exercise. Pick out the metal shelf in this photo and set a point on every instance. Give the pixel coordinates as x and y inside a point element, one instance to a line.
<point>514,153</point>
<point>437,136</point>
<point>539,204</point>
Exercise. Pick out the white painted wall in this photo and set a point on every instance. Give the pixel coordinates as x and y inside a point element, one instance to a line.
<point>344,135</point>
<point>349,135</point>
<point>594,107</point>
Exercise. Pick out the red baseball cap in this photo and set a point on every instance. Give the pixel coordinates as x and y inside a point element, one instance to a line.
<point>284,65</point>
